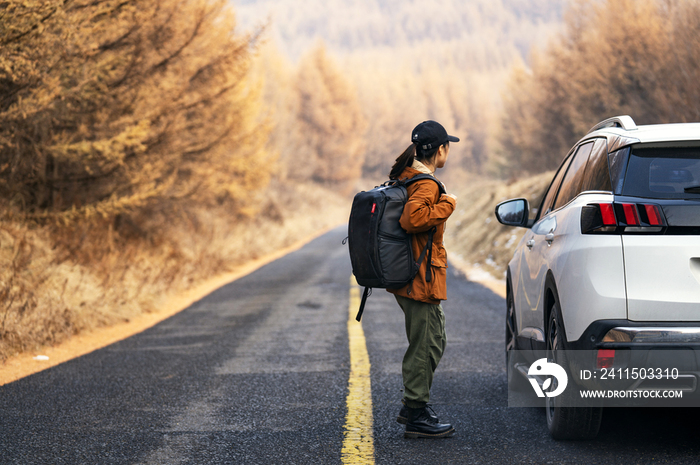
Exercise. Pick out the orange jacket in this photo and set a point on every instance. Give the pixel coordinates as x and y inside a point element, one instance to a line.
<point>426,208</point>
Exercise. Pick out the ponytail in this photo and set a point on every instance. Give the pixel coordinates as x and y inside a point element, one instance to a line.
<point>406,158</point>
<point>404,161</point>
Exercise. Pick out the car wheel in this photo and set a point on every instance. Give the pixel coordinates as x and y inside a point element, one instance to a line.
<point>566,422</point>
<point>516,381</point>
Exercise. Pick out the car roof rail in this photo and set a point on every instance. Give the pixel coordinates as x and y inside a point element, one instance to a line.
<point>625,122</point>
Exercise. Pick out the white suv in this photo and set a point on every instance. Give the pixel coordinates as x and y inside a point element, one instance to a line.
<point>611,260</point>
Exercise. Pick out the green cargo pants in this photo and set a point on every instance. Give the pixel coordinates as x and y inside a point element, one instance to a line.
<point>425,329</point>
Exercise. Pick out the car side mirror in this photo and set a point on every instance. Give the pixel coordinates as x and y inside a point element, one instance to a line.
<point>514,212</point>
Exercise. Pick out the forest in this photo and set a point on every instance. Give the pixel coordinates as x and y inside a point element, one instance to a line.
<point>645,66</point>
<point>146,146</point>
<point>405,67</point>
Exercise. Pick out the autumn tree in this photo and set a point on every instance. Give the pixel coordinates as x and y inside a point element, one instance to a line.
<point>331,125</point>
<point>636,57</point>
<point>110,107</point>
<point>396,100</point>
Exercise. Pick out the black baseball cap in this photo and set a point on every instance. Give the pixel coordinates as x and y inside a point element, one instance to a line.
<point>430,134</point>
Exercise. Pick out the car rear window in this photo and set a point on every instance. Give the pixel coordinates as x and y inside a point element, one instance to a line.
<point>663,173</point>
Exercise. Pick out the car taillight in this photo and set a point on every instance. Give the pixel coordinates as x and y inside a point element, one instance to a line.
<point>607,213</point>
<point>622,217</point>
<point>630,214</point>
<point>654,215</point>
<point>598,218</point>
<point>605,358</point>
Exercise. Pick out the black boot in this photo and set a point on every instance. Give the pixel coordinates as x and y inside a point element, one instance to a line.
<point>423,423</point>
<point>403,413</point>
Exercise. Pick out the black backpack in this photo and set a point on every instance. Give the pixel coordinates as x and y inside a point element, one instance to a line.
<point>380,249</point>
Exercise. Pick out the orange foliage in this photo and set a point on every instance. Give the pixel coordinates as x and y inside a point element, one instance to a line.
<point>636,57</point>
<point>115,107</point>
<point>331,125</point>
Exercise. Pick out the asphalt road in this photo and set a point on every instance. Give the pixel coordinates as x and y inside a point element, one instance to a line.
<point>257,373</point>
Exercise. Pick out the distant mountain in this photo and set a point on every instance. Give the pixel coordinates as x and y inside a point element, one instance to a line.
<point>476,32</point>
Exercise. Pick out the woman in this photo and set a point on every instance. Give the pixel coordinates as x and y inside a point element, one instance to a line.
<point>425,212</point>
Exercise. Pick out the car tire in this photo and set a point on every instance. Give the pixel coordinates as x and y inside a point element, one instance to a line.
<point>566,422</point>
<point>516,381</point>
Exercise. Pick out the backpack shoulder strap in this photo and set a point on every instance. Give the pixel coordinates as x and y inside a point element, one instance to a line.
<point>429,245</point>
<point>420,177</point>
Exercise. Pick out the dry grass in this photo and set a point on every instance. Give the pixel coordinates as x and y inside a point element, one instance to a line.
<point>58,283</point>
<point>474,236</point>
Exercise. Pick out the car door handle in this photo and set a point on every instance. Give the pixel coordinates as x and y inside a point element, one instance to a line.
<point>530,243</point>
<point>549,238</point>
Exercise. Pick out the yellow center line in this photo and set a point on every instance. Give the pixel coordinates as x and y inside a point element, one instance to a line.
<point>358,444</point>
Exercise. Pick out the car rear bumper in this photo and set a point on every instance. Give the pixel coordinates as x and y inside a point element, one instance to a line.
<point>626,334</point>
<point>661,346</point>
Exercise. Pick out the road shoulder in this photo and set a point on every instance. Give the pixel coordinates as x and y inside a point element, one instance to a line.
<point>28,363</point>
